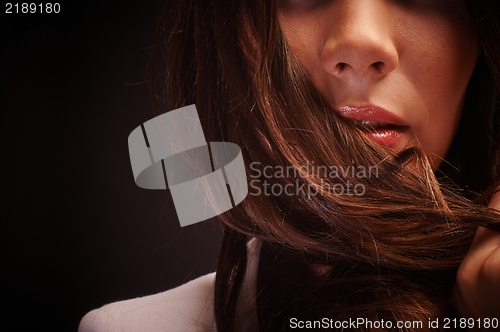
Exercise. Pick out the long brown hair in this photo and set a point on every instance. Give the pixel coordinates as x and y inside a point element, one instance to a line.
<point>391,253</point>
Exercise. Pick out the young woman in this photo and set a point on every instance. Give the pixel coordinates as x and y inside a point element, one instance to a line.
<point>406,89</point>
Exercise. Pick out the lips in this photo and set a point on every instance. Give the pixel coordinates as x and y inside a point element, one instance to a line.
<point>377,123</point>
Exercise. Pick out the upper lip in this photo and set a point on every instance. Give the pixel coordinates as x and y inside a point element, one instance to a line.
<point>369,113</point>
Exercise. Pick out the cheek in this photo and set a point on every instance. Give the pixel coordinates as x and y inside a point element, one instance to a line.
<point>305,51</point>
<point>438,59</point>
<point>304,35</point>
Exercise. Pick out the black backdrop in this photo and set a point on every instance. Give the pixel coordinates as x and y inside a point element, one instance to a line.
<point>76,232</point>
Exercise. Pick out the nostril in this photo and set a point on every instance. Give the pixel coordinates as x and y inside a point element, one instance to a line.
<point>341,65</point>
<point>378,65</point>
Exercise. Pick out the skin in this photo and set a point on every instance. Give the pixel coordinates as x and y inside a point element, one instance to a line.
<point>413,58</point>
<point>477,290</point>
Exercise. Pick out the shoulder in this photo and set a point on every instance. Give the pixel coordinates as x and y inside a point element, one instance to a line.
<point>186,308</point>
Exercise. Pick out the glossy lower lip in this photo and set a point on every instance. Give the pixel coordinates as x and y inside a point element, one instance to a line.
<point>387,137</point>
<point>383,136</point>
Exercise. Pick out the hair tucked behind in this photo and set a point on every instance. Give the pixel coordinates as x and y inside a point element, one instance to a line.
<point>391,253</point>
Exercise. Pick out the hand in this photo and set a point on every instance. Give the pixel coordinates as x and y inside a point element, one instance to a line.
<point>477,290</point>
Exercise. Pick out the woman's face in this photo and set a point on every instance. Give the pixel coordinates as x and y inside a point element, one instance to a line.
<point>401,66</point>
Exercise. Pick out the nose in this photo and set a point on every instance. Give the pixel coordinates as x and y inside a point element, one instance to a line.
<point>358,44</point>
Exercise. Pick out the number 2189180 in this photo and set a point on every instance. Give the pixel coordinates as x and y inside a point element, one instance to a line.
<point>32,8</point>
<point>484,323</point>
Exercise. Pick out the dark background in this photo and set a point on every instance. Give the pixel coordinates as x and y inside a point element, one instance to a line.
<point>76,232</point>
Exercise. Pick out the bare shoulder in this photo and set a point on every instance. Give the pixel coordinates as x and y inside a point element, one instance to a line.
<point>188,307</point>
